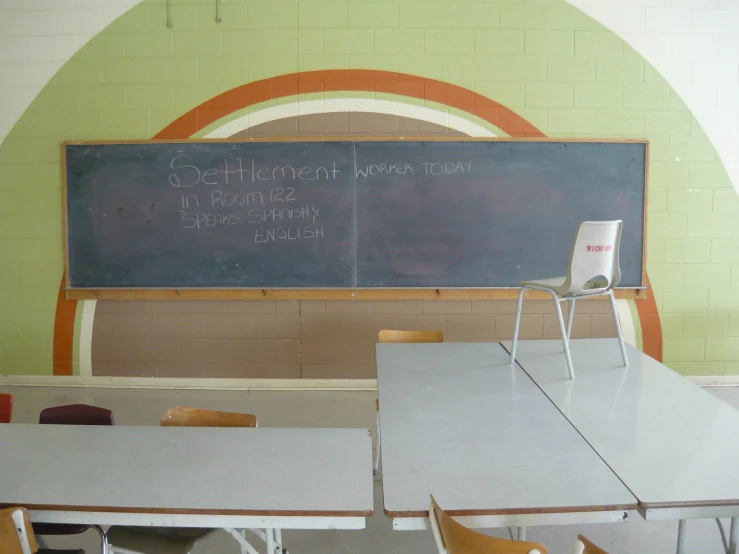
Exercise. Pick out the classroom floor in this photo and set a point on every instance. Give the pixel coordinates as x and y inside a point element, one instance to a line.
<point>345,409</point>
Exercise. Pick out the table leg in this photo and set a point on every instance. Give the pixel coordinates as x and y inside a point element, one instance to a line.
<point>278,541</point>
<point>245,546</point>
<point>521,533</point>
<point>681,536</point>
<point>734,536</point>
<point>270,541</point>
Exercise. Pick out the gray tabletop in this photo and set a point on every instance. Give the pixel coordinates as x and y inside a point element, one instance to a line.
<point>462,424</point>
<point>673,444</point>
<point>228,471</point>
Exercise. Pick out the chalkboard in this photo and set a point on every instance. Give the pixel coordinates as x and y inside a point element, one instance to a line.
<point>476,214</point>
<point>210,215</point>
<point>343,214</point>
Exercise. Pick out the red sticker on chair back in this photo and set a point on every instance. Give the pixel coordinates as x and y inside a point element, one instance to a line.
<point>599,247</point>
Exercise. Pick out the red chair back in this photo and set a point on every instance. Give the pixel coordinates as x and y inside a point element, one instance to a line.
<point>76,414</point>
<point>6,407</point>
<point>72,414</point>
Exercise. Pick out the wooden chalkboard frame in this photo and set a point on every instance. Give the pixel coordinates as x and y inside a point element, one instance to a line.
<point>488,293</point>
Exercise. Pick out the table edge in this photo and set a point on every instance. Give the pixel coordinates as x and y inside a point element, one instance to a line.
<point>689,504</point>
<point>515,511</point>
<point>193,511</point>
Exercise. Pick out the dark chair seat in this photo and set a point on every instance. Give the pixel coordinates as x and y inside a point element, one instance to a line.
<point>59,529</point>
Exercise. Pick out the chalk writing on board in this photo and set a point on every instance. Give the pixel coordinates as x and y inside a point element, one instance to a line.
<point>198,220</point>
<point>425,168</point>
<point>235,171</point>
<point>446,168</point>
<point>220,199</point>
<point>287,233</point>
<point>281,214</point>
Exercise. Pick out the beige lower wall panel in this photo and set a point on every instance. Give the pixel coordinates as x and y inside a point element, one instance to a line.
<point>238,339</point>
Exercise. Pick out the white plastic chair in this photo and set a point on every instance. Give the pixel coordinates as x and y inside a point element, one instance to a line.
<point>593,271</point>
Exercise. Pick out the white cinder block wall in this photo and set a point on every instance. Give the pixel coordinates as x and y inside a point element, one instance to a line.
<point>37,37</point>
<point>694,44</point>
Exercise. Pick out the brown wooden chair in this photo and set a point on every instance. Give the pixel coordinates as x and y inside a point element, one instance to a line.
<point>176,540</point>
<point>396,336</point>
<point>17,537</point>
<point>454,538</point>
<point>393,335</point>
<point>584,546</point>
<point>180,416</point>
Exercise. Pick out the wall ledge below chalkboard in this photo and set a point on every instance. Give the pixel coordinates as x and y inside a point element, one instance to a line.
<point>175,383</point>
<point>323,294</point>
<point>306,385</point>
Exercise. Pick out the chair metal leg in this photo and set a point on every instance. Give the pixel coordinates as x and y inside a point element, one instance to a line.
<point>570,317</point>
<point>376,468</point>
<point>41,542</point>
<point>520,533</point>
<point>618,328</point>
<point>563,331</point>
<point>734,536</point>
<point>270,541</point>
<point>103,539</point>
<point>519,306</point>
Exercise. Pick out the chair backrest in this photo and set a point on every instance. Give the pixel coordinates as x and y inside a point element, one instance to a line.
<point>6,407</point>
<point>180,416</point>
<point>454,538</point>
<point>594,264</point>
<point>16,533</point>
<point>392,335</point>
<point>584,546</point>
<point>76,414</point>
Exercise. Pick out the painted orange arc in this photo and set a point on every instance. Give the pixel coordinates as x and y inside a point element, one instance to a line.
<point>341,80</point>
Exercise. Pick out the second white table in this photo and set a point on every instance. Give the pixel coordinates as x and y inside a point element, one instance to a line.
<point>462,424</point>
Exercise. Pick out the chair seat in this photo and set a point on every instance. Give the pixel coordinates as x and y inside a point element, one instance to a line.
<point>556,284</point>
<point>58,529</point>
<point>157,540</point>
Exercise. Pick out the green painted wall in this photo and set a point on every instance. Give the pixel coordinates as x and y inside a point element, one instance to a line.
<point>545,60</point>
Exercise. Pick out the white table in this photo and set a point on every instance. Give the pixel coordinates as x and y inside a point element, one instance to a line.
<point>231,478</point>
<point>673,444</point>
<point>462,424</point>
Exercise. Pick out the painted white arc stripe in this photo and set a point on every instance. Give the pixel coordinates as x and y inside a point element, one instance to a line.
<point>85,340</point>
<point>333,105</point>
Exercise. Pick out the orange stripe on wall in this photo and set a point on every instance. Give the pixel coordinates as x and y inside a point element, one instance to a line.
<point>64,332</point>
<point>340,80</point>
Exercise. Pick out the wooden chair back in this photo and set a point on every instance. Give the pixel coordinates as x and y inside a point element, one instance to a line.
<point>181,416</point>
<point>392,335</point>
<point>584,546</point>
<point>15,538</point>
<point>454,538</point>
